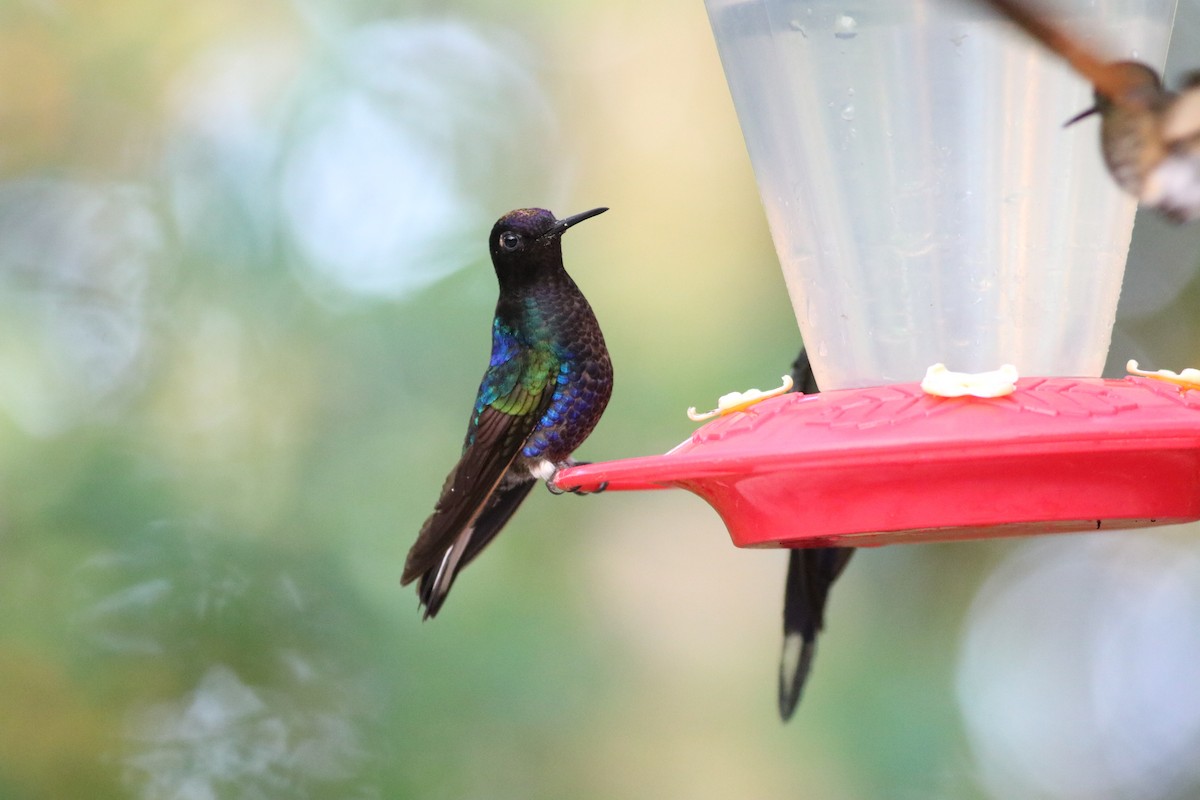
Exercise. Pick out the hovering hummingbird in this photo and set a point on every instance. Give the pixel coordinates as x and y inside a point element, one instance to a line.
<point>810,576</point>
<point>544,390</point>
<point>1149,136</point>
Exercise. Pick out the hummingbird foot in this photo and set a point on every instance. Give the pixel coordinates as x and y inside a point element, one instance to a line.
<point>575,490</point>
<point>578,491</point>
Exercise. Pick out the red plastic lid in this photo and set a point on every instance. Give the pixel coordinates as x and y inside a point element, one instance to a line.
<point>893,464</point>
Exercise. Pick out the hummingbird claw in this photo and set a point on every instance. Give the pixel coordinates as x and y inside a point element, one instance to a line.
<point>575,490</point>
<point>580,492</point>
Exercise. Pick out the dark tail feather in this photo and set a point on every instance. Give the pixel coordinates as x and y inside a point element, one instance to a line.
<point>811,574</point>
<point>799,637</point>
<point>434,585</point>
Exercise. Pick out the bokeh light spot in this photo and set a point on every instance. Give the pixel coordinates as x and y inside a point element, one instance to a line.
<point>1077,670</point>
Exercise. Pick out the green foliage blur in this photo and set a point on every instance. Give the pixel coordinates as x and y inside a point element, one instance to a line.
<point>245,305</point>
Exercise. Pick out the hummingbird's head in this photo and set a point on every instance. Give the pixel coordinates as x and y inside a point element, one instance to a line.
<point>1130,84</point>
<point>529,238</point>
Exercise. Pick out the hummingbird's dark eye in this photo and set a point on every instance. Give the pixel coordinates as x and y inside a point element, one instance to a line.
<point>510,240</point>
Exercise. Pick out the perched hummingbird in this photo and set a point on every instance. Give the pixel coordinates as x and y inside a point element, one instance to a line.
<point>1149,137</point>
<point>811,573</point>
<point>545,388</point>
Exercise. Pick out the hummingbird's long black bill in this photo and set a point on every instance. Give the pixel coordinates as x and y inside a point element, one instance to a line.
<point>566,222</point>
<point>1087,112</point>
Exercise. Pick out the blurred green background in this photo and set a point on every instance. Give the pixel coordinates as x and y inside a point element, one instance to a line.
<point>246,304</point>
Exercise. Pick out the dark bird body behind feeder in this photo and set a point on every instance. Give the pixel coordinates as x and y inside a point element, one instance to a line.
<point>811,574</point>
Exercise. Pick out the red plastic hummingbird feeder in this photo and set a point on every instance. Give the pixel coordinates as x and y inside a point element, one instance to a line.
<point>927,206</point>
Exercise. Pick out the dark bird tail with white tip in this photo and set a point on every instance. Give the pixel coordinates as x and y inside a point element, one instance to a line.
<point>811,574</point>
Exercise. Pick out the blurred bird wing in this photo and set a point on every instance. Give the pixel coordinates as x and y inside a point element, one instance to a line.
<point>494,442</point>
<point>1088,63</point>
